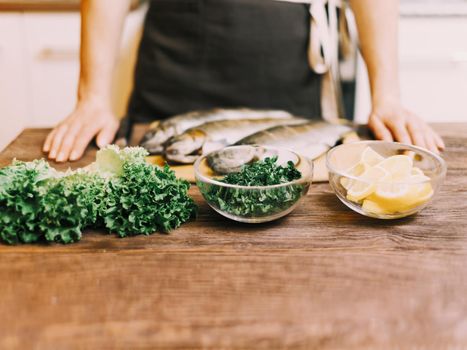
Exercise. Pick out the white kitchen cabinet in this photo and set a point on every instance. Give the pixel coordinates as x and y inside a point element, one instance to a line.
<point>433,69</point>
<point>13,97</point>
<point>52,53</point>
<point>39,67</point>
<point>53,41</point>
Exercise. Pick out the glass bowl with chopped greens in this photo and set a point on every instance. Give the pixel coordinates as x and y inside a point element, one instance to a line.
<point>253,183</point>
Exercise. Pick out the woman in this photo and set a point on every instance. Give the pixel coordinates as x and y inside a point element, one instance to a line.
<point>198,54</point>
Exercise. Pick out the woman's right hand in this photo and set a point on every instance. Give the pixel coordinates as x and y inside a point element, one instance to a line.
<point>69,139</point>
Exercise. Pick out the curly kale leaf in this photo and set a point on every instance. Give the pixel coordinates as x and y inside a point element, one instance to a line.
<point>19,201</point>
<point>39,204</point>
<point>145,199</point>
<point>69,205</point>
<point>120,191</point>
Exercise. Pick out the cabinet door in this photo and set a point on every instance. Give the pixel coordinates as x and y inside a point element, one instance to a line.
<point>13,99</point>
<point>52,41</point>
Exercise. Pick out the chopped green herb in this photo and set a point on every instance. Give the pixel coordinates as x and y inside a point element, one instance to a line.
<point>263,173</point>
<point>256,202</point>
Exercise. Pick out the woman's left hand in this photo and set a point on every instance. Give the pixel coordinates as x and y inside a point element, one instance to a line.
<point>392,122</point>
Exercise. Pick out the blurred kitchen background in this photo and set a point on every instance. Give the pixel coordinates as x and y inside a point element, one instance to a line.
<point>39,62</point>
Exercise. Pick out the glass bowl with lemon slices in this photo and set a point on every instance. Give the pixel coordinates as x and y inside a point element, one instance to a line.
<point>384,180</point>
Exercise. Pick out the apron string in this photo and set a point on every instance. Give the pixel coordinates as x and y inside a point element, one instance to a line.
<point>323,40</point>
<point>323,53</point>
<point>319,47</point>
<point>332,101</point>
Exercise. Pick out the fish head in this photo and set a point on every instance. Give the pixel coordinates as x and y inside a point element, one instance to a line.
<point>153,141</point>
<point>150,132</point>
<point>185,148</point>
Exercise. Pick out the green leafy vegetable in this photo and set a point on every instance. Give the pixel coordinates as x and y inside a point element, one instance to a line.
<point>20,213</point>
<point>145,199</point>
<point>120,192</point>
<point>263,173</point>
<point>68,205</point>
<point>256,202</point>
<point>141,198</point>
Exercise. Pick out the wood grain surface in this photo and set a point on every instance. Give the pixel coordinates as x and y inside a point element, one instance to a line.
<point>324,277</point>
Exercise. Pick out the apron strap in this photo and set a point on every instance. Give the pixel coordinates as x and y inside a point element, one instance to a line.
<point>323,53</point>
<point>319,48</point>
<point>324,29</point>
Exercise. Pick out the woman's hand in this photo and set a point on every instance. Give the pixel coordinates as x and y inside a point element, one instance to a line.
<point>392,122</point>
<point>69,139</point>
<point>377,22</point>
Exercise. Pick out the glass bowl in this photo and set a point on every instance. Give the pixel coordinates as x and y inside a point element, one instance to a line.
<point>250,204</point>
<point>390,197</point>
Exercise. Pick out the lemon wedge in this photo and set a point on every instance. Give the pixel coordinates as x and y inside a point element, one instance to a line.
<point>400,197</point>
<point>362,189</point>
<point>368,158</point>
<point>357,170</point>
<point>399,167</point>
<point>387,185</point>
<point>417,171</point>
<point>374,208</point>
<point>371,157</point>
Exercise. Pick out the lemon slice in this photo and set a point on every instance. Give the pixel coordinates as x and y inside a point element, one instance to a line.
<point>417,171</point>
<point>391,191</point>
<point>356,170</point>
<point>374,208</point>
<point>424,195</point>
<point>418,178</point>
<point>401,197</point>
<point>368,159</point>
<point>371,157</point>
<point>387,185</point>
<point>362,189</point>
<point>399,167</point>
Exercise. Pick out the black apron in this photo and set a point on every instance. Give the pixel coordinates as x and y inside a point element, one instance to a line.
<point>200,54</point>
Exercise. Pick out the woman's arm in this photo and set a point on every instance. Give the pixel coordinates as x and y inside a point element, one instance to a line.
<point>101,27</point>
<point>377,22</point>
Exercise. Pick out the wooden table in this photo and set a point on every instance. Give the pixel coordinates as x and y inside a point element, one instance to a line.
<point>323,277</point>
